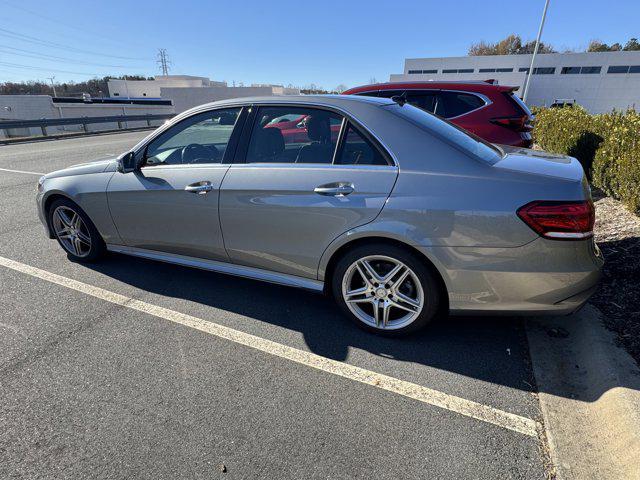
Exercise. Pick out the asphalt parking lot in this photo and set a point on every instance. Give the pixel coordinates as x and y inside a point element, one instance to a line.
<point>145,376</point>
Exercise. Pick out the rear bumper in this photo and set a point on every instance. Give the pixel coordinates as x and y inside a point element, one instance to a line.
<point>542,277</point>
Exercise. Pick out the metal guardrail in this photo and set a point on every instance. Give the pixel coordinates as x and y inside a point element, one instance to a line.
<point>43,123</point>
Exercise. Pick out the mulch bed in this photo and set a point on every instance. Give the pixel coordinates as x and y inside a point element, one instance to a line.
<point>617,233</point>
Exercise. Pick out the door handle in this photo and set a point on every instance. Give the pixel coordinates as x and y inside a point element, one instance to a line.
<point>335,189</point>
<point>201,188</point>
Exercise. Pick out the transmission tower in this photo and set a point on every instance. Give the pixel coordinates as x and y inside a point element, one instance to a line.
<point>163,61</point>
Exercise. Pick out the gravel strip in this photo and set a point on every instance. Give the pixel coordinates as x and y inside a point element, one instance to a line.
<point>617,232</point>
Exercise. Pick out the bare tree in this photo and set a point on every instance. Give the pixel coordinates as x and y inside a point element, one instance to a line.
<point>510,45</point>
<point>340,88</point>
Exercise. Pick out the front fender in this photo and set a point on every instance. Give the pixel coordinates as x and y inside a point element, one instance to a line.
<point>89,191</point>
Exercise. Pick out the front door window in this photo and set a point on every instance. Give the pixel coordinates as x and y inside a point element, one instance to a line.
<point>202,138</point>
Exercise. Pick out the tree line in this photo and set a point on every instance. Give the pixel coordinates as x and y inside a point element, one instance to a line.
<point>96,87</point>
<point>513,45</point>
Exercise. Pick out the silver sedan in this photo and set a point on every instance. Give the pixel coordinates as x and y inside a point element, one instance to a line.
<point>398,215</point>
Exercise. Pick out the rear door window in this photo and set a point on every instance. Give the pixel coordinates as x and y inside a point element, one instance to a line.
<point>425,100</point>
<point>428,100</point>
<point>293,135</point>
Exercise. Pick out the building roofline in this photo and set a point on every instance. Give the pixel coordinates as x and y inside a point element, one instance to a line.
<point>524,55</point>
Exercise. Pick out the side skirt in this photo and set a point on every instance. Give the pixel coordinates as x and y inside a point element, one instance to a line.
<point>222,267</point>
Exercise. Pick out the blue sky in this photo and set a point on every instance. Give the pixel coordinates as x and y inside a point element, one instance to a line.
<point>285,42</point>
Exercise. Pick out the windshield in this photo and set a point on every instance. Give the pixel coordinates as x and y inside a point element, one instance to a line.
<point>463,139</point>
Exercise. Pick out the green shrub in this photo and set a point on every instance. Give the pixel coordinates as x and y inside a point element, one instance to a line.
<point>571,131</point>
<point>616,167</point>
<point>607,146</point>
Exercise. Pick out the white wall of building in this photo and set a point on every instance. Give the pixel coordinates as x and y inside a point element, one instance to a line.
<point>33,107</point>
<point>151,88</point>
<point>598,93</point>
<point>187,91</point>
<point>186,98</point>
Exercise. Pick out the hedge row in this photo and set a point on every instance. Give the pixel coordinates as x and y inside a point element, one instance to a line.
<point>607,145</point>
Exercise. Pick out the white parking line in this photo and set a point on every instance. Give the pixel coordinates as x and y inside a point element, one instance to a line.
<point>426,395</point>
<point>20,171</point>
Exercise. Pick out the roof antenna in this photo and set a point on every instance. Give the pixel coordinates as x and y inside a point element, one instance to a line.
<point>400,99</point>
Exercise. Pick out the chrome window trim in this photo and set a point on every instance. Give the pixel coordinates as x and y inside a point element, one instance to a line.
<point>315,166</point>
<point>185,165</point>
<point>278,102</point>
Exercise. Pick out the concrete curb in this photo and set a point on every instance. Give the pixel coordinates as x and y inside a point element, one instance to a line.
<point>62,136</point>
<point>589,391</point>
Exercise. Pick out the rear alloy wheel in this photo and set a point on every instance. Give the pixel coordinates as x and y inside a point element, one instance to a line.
<point>75,232</point>
<point>385,289</point>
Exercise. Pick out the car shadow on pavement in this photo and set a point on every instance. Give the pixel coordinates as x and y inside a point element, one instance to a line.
<point>490,349</point>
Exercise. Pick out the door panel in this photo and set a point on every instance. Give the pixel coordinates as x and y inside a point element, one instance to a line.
<point>171,203</point>
<point>152,209</point>
<point>272,218</point>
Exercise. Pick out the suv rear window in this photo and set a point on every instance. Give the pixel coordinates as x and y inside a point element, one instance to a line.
<point>468,142</point>
<point>457,103</point>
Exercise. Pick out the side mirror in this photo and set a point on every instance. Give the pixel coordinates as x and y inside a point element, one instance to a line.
<point>127,162</point>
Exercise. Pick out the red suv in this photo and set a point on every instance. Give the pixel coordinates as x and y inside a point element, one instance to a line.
<point>492,112</point>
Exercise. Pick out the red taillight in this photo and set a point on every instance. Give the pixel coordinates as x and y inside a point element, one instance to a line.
<point>560,220</point>
<point>517,123</point>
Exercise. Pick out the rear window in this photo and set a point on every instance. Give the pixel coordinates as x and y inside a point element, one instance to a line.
<point>467,142</point>
<point>457,103</point>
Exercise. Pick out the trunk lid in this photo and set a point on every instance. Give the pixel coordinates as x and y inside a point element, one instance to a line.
<point>537,162</point>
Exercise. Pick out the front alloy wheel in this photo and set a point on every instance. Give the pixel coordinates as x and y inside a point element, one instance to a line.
<point>71,231</point>
<point>74,231</point>
<point>385,289</point>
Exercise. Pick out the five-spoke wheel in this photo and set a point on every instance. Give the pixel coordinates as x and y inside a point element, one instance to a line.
<point>71,231</point>
<point>74,231</point>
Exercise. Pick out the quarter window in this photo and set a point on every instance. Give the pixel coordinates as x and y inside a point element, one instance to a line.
<point>356,150</point>
<point>202,138</point>
<point>456,103</point>
<point>293,135</point>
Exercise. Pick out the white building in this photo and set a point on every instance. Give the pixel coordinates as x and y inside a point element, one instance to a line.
<point>599,81</point>
<point>151,88</point>
<point>34,107</point>
<point>186,91</point>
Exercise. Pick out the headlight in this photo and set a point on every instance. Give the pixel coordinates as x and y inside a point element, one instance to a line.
<point>41,183</point>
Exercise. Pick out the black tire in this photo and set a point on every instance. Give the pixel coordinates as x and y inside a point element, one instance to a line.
<point>97,248</point>
<point>431,292</point>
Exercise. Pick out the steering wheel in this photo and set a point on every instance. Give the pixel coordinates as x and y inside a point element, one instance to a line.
<point>196,153</point>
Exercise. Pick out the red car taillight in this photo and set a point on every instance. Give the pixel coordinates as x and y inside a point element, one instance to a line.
<point>560,220</point>
<point>517,123</point>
